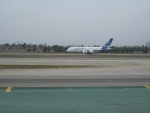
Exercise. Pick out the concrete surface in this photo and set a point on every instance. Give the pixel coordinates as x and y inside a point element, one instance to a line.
<point>110,69</point>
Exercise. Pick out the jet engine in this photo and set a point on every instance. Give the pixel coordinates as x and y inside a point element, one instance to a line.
<point>88,51</point>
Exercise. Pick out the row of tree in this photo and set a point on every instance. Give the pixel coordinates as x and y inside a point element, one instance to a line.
<point>130,49</point>
<point>57,48</point>
<point>24,47</point>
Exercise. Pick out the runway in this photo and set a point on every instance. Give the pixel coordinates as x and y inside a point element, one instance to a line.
<point>102,72</point>
<point>76,61</point>
<point>95,81</point>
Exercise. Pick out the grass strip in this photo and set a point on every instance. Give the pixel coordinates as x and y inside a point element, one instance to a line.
<point>76,56</point>
<point>40,66</point>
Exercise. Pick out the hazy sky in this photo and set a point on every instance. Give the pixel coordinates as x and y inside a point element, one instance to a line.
<point>68,22</point>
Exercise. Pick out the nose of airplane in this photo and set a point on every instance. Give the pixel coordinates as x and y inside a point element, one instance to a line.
<point>67,50</point>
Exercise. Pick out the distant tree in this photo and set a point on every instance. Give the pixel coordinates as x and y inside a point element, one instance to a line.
<point>55,48</point>
<point>40,46</point>
<point>115,49</point>
<point>144,49</point>
<point>29,50</point>
<point>24,45</point>
<point>14,45</point>
<point>131,49</point>
<point>7,45</point>
<point>34,49</point>
<point>34,45</point>
<point>45,49</point>
<point>48,48</point>
<point>45,45</point>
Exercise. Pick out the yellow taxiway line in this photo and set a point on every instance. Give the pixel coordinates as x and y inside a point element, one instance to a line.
<point>8,89</point>
<point>148,87</point>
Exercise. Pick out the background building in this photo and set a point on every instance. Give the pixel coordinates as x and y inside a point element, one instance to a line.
<point>148,44</point>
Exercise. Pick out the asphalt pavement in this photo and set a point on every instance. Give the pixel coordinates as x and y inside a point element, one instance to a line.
<point>75,100</point>
<point>75,81</point>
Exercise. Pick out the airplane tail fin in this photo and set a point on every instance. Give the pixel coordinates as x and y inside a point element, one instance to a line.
<point>107,44</point>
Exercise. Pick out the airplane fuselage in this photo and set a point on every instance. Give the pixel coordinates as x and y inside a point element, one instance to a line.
<point>83,49</point>
<point>90,50</point>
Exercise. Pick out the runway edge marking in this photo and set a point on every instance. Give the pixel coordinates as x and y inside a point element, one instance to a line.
<point>8,90</point>
<point>148,87</point>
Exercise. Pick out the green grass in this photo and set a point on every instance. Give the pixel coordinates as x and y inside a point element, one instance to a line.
<point>41,66</point>
<point>100,55</point>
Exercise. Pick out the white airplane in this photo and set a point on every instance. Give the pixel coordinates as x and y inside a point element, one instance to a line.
<point>90,50</point>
